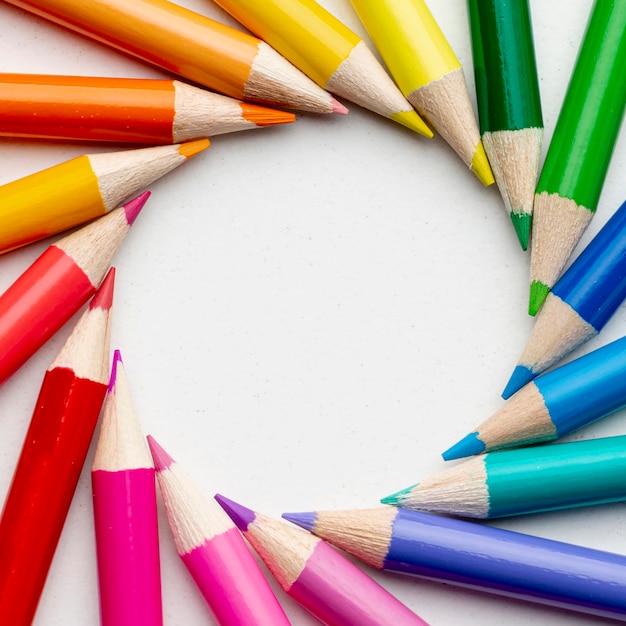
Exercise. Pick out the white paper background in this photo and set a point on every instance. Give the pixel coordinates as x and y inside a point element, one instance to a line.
<point>308,316</point>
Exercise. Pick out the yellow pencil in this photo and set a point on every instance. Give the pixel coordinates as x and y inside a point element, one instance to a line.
<point>327,51</point>
<point>81,189</point>
<point>428,73</point>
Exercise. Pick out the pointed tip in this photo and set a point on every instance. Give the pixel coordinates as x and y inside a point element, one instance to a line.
<point>414,122</point>
<point>521,224</point>
<point>399,497</point>
<point>468,446</point>
<point>264,116</point>
<point>538,293</point>
<point>480,166</point>
<point>241,515</point>
<point>521,376</point>
<point>103,298</point>
<point>117,360</point>
<point>162,460</point>
<point>191,148</point>
<point>338,108</point>
<point>133,207</point>
<point>304,520</point>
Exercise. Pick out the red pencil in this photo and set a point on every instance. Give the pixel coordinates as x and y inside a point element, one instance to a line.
<point>125,514</point>
<point>51,460</point>
<point>57,284</point>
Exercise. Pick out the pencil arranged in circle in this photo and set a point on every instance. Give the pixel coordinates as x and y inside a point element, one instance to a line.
<point>327,51</point>
<point>580,304</point>
<point>51,459</point>
<point>133,110</point>
<point>191,45</point>
<point>214,551</point>
<point>73,192</point>
<point>581,147</point>
<point>125,513</point>
<point>526,480</point>
<point>58,283</point>
<point>554,404</point>
<point>428,73</point>
<point>318,577</point>
<point>509,104</point>
<point>478,556</point>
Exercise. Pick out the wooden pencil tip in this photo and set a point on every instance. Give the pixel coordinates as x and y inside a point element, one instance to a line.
<point>521,376</point>
<point>480,166</point>
<point>191,148</point>
<point>241,515</point>
<point>538,293</point>
<point>468,446</point>
<point>103,298</point>
<point>162,460</point>
<point>133,207</point>
<point>304,520</point>
<point>338,108</point>
<point>414,122</point>
<point>399,497</point>
<point>117,360</point>
<point>521,224</point>
<point>264,116</point>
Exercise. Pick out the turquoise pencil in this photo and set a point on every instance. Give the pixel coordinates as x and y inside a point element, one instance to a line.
<point>526,480</point>
<point>554,404</point>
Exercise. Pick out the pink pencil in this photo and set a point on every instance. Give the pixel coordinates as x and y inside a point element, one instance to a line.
<point>214,551</point>
<point>125,514</point>
<point>323,581</point>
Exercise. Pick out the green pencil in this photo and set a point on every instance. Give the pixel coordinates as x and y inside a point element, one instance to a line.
<point>526,480</point>
<point>578,157</point>
<point>509,106</point>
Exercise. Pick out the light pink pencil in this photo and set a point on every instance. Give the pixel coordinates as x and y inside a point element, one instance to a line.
<point>318,577</point>
<point>214,551</point>
<point>125,514</point>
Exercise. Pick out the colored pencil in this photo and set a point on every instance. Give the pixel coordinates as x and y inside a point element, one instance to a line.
<point>478,556</point>
<point>323,581</point>
<point>527,480</point>
<point>509,104</point>
<point>214,551</point>
<point>554,404</point>
<point>57,284</point>
<point>583,300</point>
<point>52,456</point>
<point>327,51</point>
<point>125,513</point>
<point>580,151</point>
<point>71,193</point>
<point>133,110</point>
<point>428,73</point>
<point>191,45</point>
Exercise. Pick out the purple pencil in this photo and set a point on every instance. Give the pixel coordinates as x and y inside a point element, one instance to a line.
<point>473,555</point>
<point>318,577</point>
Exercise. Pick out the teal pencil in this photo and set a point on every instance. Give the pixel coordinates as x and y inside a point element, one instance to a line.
<point>526,480</point>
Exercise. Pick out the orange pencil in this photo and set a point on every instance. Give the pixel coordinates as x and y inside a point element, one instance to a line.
<point>191,45</point>
<point>133,110</point>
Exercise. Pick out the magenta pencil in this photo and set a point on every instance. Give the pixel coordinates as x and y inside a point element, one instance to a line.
<point>214,551</point>
<point>125,514</point>
<point>317,576</point>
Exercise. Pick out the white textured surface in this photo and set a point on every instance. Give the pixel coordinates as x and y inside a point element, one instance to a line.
<point>308,316</point>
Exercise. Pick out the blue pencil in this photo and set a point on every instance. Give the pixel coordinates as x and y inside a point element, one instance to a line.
<point>554,404</point>
<point>479,556</point>
<point>580,304</point>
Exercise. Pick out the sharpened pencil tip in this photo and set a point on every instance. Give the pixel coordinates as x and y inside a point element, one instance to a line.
<point>399,497</point>
<point>339,108</point>
<point>521,224</point>
<point>304,520</point>
<point>468,446</point>
<point>412,120</point>
<point>264,116</point>
<point>162,460</point>
<point>241,515</point>
<point>191,148</point>
<point>117,359</point>
<point>480,166</point>
<point>538,293</point>
<point>103,298</point>
<point>521,376</point>
<point>133,207</point>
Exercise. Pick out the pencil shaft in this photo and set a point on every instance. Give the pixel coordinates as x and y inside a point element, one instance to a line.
<point>584,137</point>
<point>505,70</point>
